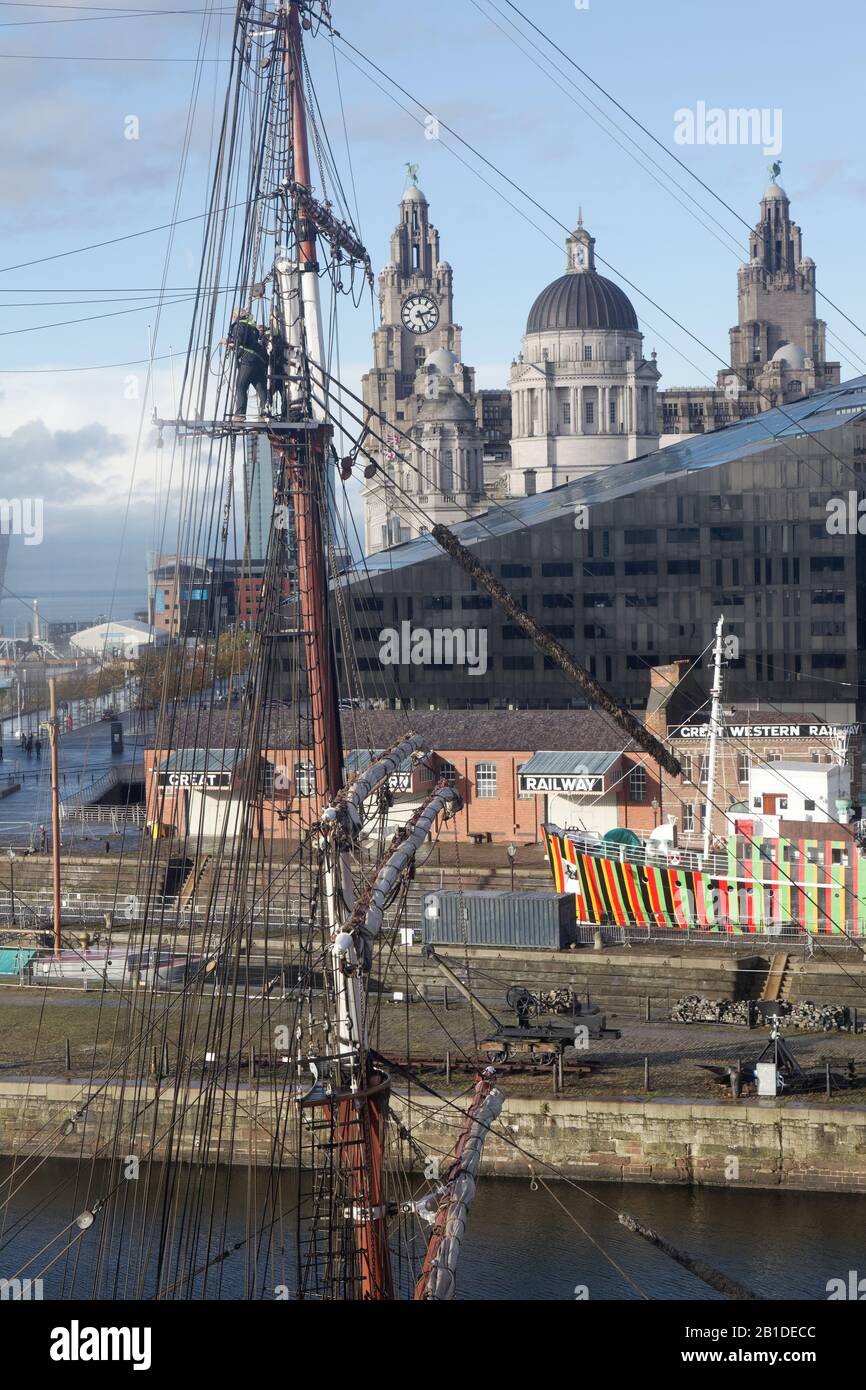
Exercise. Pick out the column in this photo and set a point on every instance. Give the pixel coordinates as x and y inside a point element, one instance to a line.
<point>579,394</point>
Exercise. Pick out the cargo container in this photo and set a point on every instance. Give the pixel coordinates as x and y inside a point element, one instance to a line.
<point>538,921</point>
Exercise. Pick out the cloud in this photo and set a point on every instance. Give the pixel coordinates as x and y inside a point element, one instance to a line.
<point>57,465</point>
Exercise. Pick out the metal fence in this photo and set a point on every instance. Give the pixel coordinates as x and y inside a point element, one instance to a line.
<point>787,934</point>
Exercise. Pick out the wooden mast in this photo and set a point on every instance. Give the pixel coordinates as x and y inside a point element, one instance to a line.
<point>359,1103</point>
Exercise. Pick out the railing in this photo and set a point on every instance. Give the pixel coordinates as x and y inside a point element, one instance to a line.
<point>678,857</point>
<point>730,935</point>
<point>96,789</point>
<point>31,908</point>
<point>104,815</point>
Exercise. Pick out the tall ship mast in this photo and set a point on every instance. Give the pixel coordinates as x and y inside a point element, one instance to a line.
<point>264,918</point>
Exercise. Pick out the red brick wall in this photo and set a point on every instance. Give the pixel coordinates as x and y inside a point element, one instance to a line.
<point>502,818</point>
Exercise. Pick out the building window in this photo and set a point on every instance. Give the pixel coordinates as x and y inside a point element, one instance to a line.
<point>587,353</point>
<point>743,764</point>
<point>447,773</point>
<point>305,779</point>
<point>589,412</point>
<point>612,413</point>
<point>518,663</point>
<point>686,764</point>
<point>637,784</point>
<point>485,781</point>
<point>566,412</point>
<point>705,768</point>
<point>688,817</point>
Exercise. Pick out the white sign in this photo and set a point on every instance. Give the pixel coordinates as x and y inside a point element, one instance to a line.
<point>561,782</point>
<point>767,730</point>
<point>197,781</point>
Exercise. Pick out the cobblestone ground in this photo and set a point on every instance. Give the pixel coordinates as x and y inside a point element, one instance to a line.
<point>675,1052</point>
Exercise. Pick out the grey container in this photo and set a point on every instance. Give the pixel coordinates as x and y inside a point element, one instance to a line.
<point>538,921</point>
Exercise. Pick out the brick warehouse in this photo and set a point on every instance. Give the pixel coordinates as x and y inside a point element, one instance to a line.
<point>751,738</point>
<point>592,782</point>
<point>630,567</point>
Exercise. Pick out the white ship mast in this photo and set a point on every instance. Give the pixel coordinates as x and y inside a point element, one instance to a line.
<point>715,729</point>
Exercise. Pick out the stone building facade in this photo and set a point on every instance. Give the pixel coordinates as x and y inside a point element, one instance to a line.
<point>778,347</point>
<point>432,448</point>
<point>583,395</point>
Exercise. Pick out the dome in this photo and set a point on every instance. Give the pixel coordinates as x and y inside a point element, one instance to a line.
<point>445,404</point>
<point>791,355</point>
<point>585,300</point>
<point>413,194</point>
<point>775,190</point>
<point>441,361</point>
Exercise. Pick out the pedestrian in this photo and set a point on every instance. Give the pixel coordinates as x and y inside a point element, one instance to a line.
<point>42,839</point>
<point>39,748</point>
<point>251,352</point>
<point>108,847</point>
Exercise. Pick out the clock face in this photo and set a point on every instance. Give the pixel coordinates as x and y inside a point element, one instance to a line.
<point>420,313</point>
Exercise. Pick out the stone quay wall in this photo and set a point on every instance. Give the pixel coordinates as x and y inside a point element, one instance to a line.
<point>785,1144</point>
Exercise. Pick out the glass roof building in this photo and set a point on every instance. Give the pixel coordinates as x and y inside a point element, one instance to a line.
<point>630,567</point>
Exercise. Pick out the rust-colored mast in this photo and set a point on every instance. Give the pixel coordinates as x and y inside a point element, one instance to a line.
<point>359,1102</point>
<point>306,460</point>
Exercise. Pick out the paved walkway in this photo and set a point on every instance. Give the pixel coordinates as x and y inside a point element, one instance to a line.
<point>84,757</point>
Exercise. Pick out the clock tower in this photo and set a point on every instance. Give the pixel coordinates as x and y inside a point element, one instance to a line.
<point>416,321</point>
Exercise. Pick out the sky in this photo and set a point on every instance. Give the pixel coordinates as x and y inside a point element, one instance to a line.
<point>76,89</point>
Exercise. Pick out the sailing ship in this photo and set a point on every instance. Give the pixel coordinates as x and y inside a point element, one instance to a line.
<point>269,1001</point>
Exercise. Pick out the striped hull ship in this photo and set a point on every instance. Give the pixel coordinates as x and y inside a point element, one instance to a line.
<point>757,886</point>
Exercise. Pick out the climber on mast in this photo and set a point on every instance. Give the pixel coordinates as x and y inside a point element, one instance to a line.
<point>250,349</point>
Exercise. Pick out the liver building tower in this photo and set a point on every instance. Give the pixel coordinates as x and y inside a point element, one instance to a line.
<point>778,351</point>
<point>424,391</point>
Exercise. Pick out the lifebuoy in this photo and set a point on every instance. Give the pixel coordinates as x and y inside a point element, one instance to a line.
<point>674,859</point>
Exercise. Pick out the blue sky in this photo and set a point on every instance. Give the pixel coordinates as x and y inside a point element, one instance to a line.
<point>70,177</point>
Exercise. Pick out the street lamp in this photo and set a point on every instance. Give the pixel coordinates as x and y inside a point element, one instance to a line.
<point>511,851</point>
<point>655,805</point>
